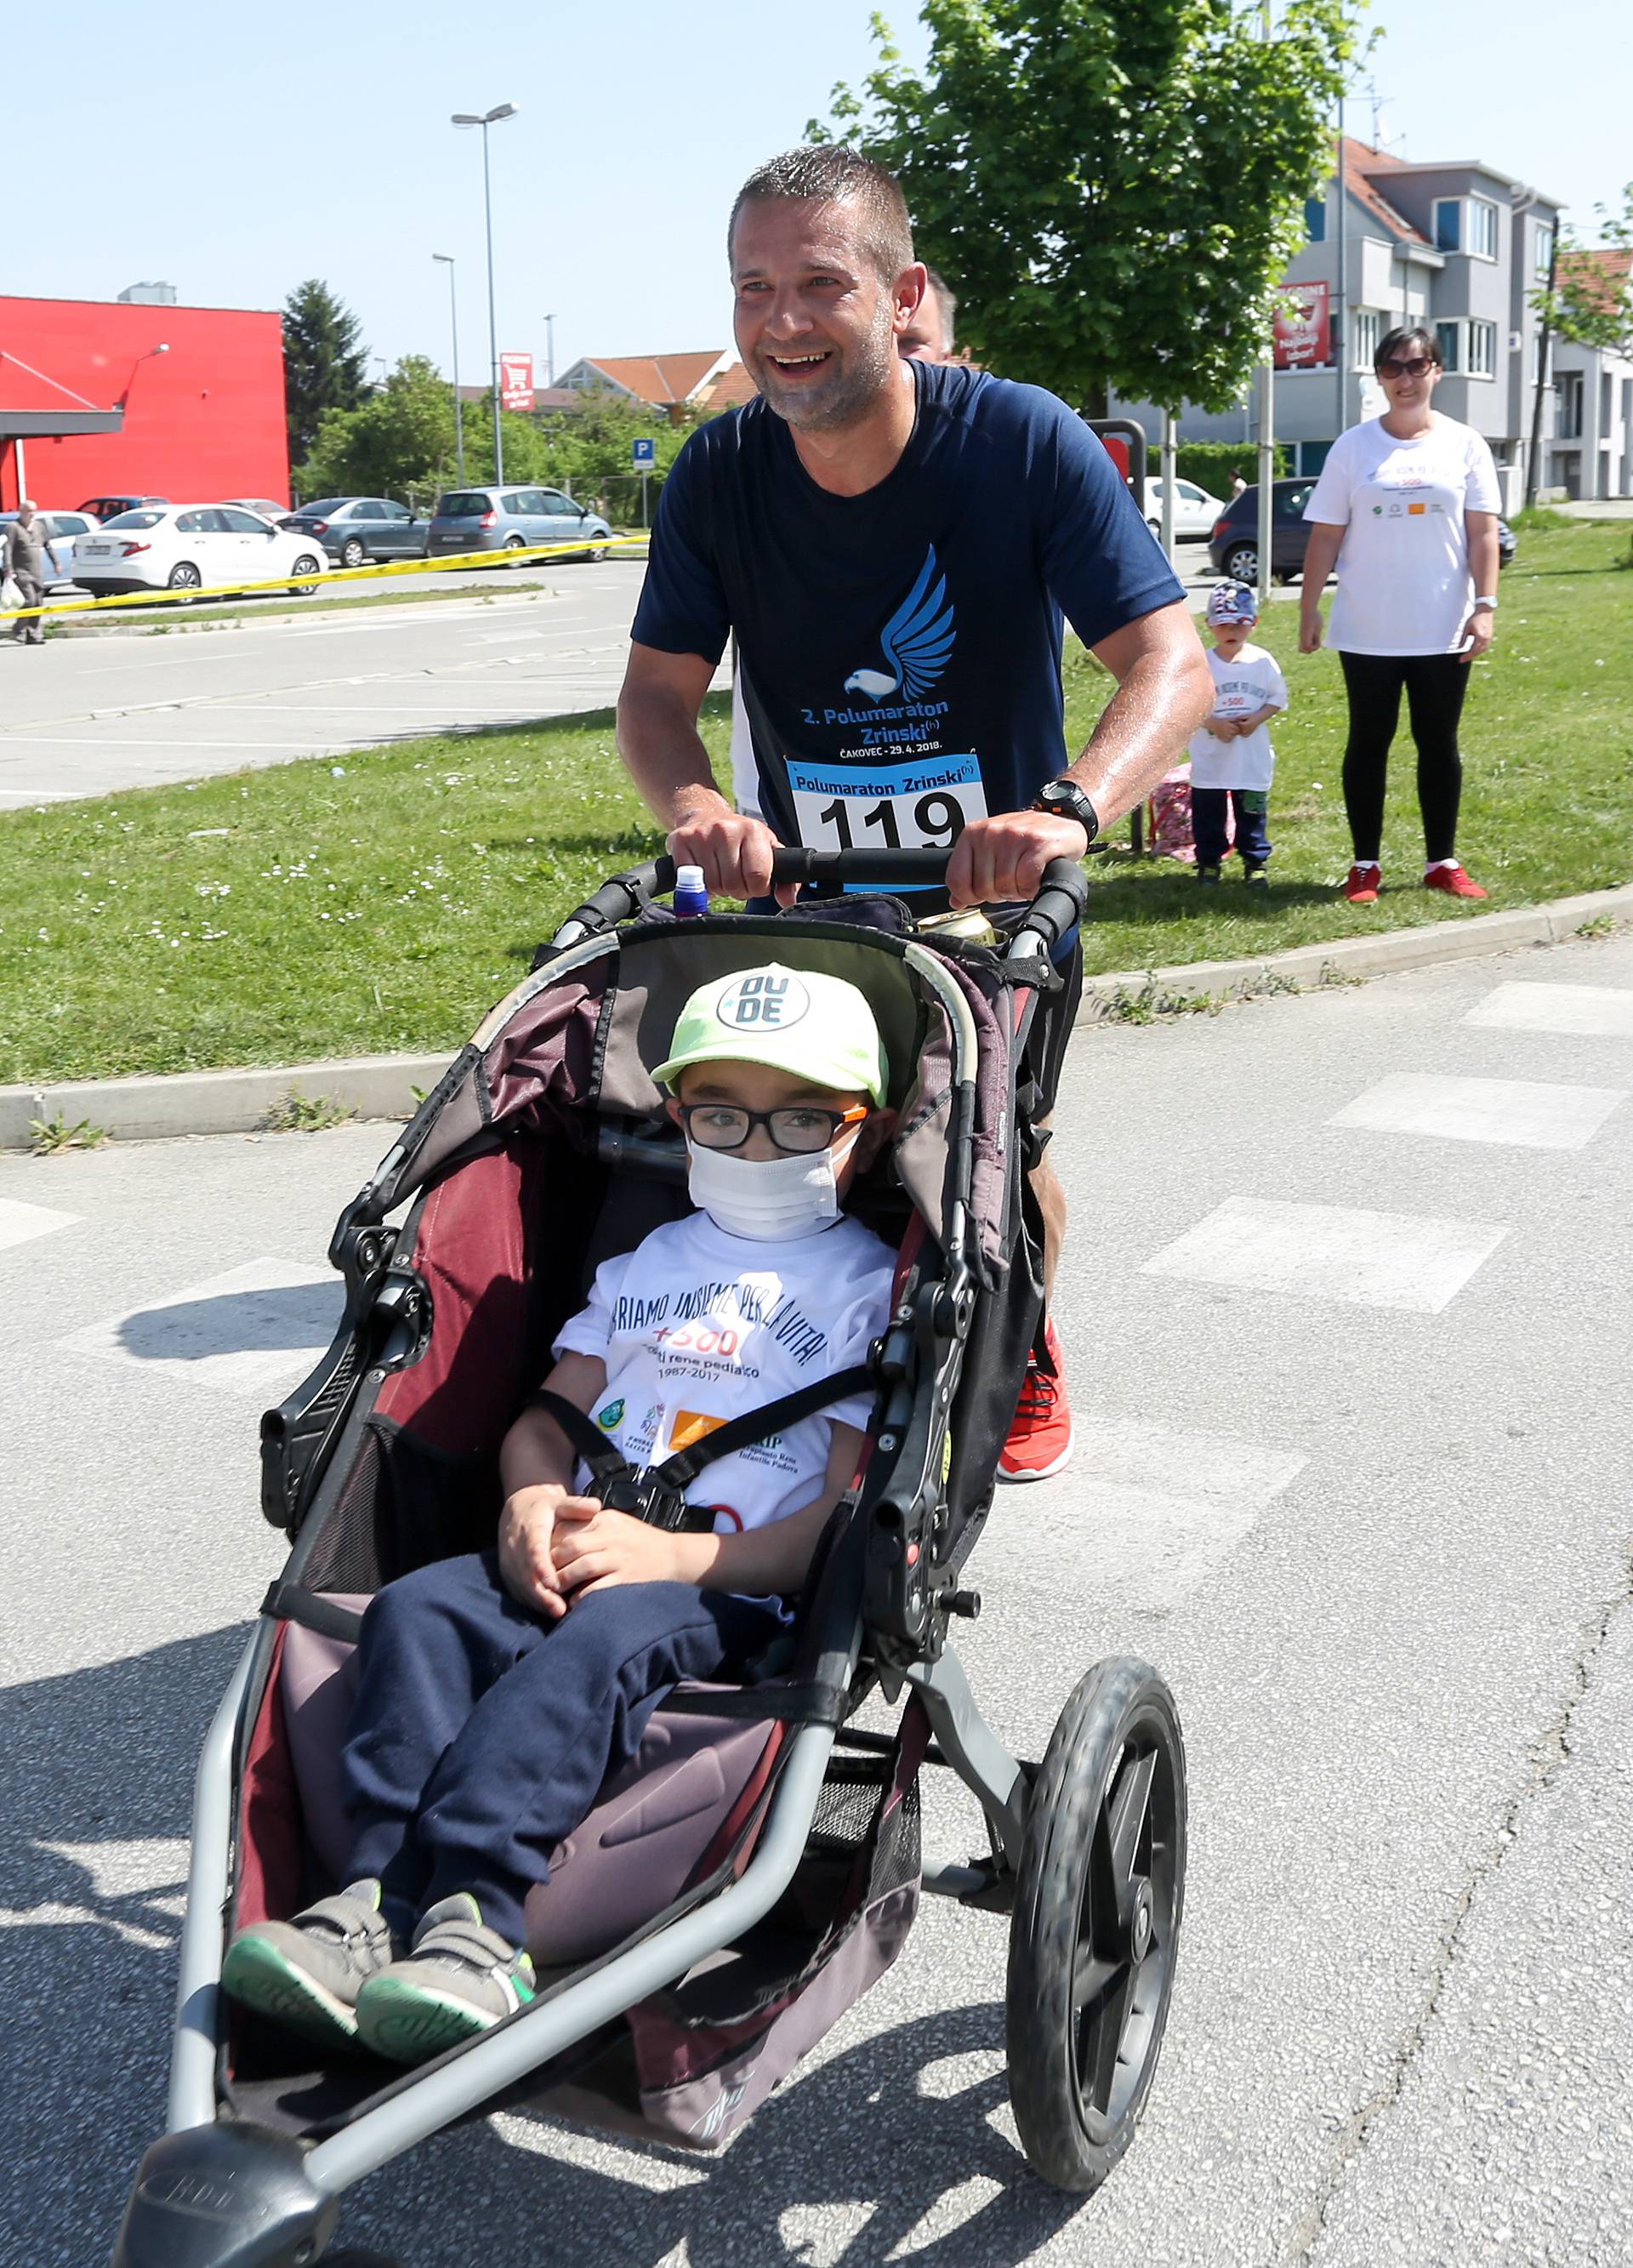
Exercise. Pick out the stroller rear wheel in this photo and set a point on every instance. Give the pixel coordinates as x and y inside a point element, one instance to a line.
<point>1101,1889</point>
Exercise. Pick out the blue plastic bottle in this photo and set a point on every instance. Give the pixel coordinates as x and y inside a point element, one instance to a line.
<point>690,897</point>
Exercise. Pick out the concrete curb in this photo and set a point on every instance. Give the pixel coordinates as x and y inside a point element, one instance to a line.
<point>380,1086</point>
<point>219,1101</point>
<point>1370,956</point>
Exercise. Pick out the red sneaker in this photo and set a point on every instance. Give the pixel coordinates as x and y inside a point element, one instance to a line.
<point>1039,1440</point>
<point>1361,889</point>
<point>1455,882</point>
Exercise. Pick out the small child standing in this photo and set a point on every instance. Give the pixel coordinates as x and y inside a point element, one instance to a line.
<point>1231,760</point>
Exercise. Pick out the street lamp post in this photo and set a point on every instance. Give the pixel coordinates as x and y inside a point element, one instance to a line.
<point>549,349</point>
<point>448,261</point>
<point>486,119</point>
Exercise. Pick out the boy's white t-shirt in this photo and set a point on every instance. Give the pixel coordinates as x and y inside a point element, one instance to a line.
<point>1252,680</point>
<point>696,1327</point>
<point>1404,582</point>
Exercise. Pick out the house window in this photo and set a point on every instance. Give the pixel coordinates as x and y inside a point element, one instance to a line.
<point>1567,426</point>
<point>1542,252</point>
<point>1466,225</point>
<point>1316,219</point>
<point>1364,328</point>
<point>1468,347</point>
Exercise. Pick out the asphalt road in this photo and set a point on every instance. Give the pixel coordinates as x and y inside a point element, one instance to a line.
<point>86,716</point>
<point>1347,1304</point>
<point>92,715</point>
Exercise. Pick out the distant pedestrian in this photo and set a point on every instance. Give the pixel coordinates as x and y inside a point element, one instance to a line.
<point>1238,486</point>
<point>27,547</point>
<point>1233,762</point>
<point>1406,508</point>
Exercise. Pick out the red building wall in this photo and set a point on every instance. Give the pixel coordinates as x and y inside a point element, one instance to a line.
<point>203,421</point>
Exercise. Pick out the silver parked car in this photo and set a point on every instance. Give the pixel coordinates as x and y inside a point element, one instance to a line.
<point>511,520</point>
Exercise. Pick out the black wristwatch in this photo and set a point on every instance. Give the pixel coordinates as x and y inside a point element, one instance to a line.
<point>1066,799</point>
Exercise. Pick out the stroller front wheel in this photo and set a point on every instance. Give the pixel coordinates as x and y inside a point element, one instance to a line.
<point>1099,1896</point>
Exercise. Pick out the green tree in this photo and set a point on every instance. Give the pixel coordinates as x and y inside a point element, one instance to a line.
<point>398,442</point>
<point>1582,301</point>
<point>323,361</point>
<point>1114,191</point>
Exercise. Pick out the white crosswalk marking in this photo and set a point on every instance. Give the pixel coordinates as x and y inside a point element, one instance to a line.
<point>1156,1509</point>
<point>1331,1252</point>
<point>255,1329</point>
<point>1587,1011</point>
<point>20,1223</point>
<point>1524,1112</point>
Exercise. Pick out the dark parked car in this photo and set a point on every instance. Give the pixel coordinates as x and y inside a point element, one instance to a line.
<point>512,519</point>
<point>106,508</point>
<point>354,529</point>
<point>1233,547</point>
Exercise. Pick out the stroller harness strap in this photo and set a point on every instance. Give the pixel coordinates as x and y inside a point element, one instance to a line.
<point>657,1494</point>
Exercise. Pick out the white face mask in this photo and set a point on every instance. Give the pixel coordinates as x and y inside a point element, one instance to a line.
<point>773,1199</point>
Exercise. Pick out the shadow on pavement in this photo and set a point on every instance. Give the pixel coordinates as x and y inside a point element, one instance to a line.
<point>297,1316</point>
<point>838,2168</point>
<point>96,1783</point>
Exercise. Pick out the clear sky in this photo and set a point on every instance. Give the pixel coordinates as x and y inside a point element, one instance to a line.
<point>233,151</point>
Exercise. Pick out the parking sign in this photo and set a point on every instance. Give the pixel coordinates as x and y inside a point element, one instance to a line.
<point>645,454</point>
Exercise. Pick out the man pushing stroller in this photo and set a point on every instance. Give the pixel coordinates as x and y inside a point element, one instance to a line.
<point>498,1692</point>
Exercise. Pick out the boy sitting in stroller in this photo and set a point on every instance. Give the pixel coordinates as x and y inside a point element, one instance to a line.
<point>498,1692</point>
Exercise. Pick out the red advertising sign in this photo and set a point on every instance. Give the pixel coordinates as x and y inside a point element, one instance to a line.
<point>516,381</point>
<point>1304,336</point>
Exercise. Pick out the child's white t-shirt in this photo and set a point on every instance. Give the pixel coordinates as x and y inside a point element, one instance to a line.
<point>696,1327</point>
<point>1252,680</point>
<point>1404,583</point>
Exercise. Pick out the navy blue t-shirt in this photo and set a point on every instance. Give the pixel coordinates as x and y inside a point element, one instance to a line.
<point>900,650</point>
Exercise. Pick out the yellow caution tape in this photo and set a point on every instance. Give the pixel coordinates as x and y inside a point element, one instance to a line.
<point>322,580</point>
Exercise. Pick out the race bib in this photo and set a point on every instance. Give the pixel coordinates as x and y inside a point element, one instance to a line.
<point>924,804</point>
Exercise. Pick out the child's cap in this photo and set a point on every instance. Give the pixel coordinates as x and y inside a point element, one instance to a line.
<point>1232,603</point>
<point>817,1026</point>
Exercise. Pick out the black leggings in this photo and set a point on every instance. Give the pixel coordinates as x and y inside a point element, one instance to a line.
<point>1435,685</point>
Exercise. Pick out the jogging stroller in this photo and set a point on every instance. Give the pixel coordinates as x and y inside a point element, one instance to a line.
<point>757,1867</point>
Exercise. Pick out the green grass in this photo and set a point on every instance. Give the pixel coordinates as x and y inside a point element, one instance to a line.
<point>386,901</point>
<point>1547,788</point>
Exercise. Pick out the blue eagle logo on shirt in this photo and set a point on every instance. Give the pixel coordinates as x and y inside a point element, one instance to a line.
<point>917,641</point>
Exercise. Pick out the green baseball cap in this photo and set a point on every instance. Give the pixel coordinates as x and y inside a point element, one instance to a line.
<point>819,1027</point>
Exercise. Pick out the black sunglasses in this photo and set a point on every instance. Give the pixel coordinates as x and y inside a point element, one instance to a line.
<point>1414,368</point>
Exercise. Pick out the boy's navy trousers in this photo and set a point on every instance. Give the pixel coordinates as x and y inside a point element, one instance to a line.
<point>481,1732</point>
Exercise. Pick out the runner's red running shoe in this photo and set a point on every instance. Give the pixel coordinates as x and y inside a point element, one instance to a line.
<point>1361,889</point>
<point>1039,1440</point>
<point>1453,880</point>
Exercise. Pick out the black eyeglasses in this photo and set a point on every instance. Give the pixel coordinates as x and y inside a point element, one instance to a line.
<point>1413,367</point>
<point>798,1127</point>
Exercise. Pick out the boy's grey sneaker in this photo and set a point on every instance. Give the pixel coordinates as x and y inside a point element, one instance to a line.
<point>308,1972</point>
<point>1257,877</point>
<point>1207,873</point>
<point>461,1978</point>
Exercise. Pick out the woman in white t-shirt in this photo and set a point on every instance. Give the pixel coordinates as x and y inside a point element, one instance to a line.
<point>1406,507</point>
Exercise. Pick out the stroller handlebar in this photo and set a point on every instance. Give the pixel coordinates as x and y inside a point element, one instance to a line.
<point>1057,907</point>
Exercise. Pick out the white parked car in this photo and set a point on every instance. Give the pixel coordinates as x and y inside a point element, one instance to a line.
<point>1195,511</point>
<point>191,547</point>
<point>61,530</point>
